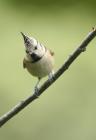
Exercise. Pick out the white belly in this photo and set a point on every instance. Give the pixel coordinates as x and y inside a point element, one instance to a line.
<point>42,67</point>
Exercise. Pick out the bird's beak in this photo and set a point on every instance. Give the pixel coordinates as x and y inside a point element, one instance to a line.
<point>24,37</point>
<point>28,40</point>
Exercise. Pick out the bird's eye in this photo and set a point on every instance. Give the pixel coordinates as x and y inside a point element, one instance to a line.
<point>35,48</point>
<point>27,42</point>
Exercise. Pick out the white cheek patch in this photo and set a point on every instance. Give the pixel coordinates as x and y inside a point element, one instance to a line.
<point>33,41</point>
<point>40,46</point>
<point>43,48</point>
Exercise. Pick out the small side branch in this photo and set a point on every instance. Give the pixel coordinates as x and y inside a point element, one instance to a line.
<point>81,48</point>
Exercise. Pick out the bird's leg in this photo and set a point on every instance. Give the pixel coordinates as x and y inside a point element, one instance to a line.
<point>51,76</point>
<point>37,87</point>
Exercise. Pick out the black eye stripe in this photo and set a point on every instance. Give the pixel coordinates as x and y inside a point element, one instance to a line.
<point>27,42</point>
<point>35,48</point>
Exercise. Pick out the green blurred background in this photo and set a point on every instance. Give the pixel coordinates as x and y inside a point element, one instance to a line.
<point>67,110</point>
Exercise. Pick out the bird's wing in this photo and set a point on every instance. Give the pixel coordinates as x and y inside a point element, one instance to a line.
<point>24,63</point>
<point>51,52</point>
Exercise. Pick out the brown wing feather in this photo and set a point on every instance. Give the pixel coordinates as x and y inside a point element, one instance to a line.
<point>24,63</point>
<point>51,52</point>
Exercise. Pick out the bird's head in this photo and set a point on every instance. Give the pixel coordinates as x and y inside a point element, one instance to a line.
<point>34,49</point>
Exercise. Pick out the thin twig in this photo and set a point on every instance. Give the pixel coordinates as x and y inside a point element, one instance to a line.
<point>81,48</point>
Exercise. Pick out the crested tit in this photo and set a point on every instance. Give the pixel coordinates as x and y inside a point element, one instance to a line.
<point>39,61</point>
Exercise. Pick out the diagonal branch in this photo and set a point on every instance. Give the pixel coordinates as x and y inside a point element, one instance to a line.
<point>81,48</point>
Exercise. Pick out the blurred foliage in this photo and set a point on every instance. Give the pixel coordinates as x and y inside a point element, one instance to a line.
<point>67,109</point>
<point>48,2</point>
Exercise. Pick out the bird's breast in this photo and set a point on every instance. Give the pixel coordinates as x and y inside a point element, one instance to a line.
<point>42,67</point>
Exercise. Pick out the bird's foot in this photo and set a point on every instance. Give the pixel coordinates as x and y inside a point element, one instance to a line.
<point>36,91</point>
<point>51,76</point>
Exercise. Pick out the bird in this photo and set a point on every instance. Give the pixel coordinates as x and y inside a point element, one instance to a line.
<point>38,60</point>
